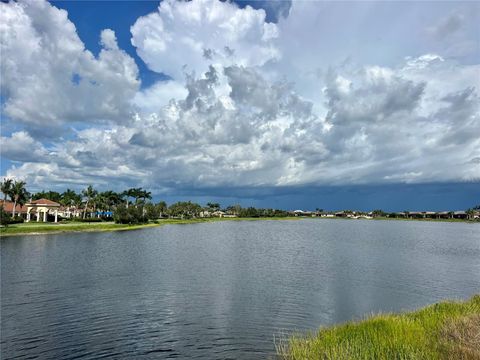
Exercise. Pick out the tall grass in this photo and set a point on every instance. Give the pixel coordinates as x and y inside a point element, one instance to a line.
<point>447,330</point>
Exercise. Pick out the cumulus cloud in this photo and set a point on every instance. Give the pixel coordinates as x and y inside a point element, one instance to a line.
<point>379,127</point>
<point>236,116</point>
<point>186,36</point>
<point>49,78</point>
<point>20,146</point>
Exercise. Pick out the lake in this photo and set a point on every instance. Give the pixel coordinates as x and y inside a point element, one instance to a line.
<point>221,290</point>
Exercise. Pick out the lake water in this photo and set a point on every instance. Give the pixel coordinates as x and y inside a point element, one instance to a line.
<point>220,290</point>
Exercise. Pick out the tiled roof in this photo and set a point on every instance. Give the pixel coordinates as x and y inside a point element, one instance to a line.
<point>44,202</point>
<point>8,207</point>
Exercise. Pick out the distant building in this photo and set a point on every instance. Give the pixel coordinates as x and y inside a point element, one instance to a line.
<point>20,210</point>
<point>42,208</point>
<point>460,215</point>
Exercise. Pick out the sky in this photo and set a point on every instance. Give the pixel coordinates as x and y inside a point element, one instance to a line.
<point>301,104</point>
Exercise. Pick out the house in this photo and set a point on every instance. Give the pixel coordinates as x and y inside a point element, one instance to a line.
<point>204,214</point>
<point>20,210</point>
<point>460,215</point>
<point>42,208</point>
<point>416,215</point>
<point>327,215</point>
<point>68,212</point>
<point>218,213</point>
<point>444,215</point>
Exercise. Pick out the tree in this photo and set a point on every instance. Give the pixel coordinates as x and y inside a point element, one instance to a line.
<point>131,215</point>
<point>378,212</point>
<point>18,194</point>
<point>234,209</point>
<point>185,209</point>
<point>213,206</point>
<point>144,194</point>
<point>70,198</point>
<point>161,208</point>
<point>470,214</point>
<point>89,193</point>
<point>110,199</point>
<point>131,193</point>
<point>6,187</point>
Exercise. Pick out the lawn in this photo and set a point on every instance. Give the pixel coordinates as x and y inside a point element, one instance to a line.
<point>72,226</point>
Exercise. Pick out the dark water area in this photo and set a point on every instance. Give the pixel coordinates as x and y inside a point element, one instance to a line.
<point>220,290</point>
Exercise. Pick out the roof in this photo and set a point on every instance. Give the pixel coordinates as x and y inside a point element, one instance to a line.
<point>8,207</point>
<point>43,202</point>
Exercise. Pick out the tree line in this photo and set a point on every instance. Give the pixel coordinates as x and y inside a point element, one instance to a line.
<point>131,206</point>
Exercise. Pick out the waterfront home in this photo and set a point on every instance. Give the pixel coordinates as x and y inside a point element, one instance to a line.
<point>204,214</point>
<point>443,215</point>
<point>218,213</point>
<point>327,215</point>
<point>20,210</point>
<point>416,215</point>
<point>67,212</point>
<point>42,208</point>
<point>302,213</point>
<point>460,215</point>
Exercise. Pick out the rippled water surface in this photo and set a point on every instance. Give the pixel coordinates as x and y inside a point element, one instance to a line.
<point>220,290</point>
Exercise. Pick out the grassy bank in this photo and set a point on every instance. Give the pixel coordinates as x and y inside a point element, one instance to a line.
<point>447,330</point>
<point>34,228</point>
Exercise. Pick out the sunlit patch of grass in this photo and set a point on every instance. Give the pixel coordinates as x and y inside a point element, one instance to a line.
<point>42,228</point>
<point>448,330</point>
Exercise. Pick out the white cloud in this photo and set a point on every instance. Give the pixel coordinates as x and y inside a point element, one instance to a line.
<point>185,36</point>
<point>379,131</point>
<point>235,119</point>
<point>49,78</point>
<point>20,146</point>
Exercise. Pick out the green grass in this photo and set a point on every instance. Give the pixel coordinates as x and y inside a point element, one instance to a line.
<point>42,228</point>
<point>447,330</point>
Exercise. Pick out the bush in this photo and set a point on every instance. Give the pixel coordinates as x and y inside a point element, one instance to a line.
<point>16,220</point>
<point>131,215</point>
<point>5,218</point>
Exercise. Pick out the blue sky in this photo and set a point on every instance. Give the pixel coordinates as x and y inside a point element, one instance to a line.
<point>294,105</point>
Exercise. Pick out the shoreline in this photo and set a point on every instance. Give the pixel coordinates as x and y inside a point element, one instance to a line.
<point>82,227</point>
<point>78,227</point>
<point>444,330</point>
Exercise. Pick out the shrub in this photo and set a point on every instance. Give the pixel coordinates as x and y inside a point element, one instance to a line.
<point>5,218</point>
<point>131,215</point>
<point>16,220</point>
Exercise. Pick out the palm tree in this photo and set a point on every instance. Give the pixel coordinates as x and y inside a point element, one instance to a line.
<point>89,193</point>
<point>470,214</point>
<point>6,187</point>
<point>132,192</point>
<point>69,197</point>
<point>110,199</point>
<point>18,194</point>
<point>144,194</point>
<point>213,206</point>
